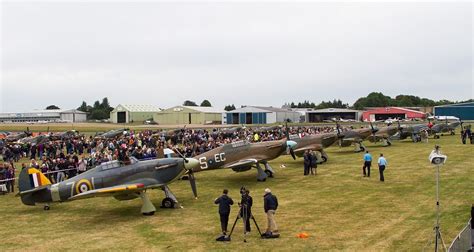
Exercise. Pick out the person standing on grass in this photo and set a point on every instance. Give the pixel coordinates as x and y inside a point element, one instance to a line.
<point>307,162</point>
<point>314,162</point>
<point>270,205</point>
<point>382,164</point>
<point>224,202</point>
<point>367,164</point>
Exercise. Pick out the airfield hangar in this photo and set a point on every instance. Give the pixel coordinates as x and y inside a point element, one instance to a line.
<point>126,113</point>
<point>50,115</point>
<point>384,113</point>
<point>259,115</point>
<point>189,115</point>
<point>329,114</point>
<point>463,111</point>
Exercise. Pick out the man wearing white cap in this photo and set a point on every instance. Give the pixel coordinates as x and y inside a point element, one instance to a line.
<point>270,205</point>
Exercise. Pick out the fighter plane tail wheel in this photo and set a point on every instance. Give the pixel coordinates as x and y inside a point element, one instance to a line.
<point>269,173</point>
<point>167,203</point>
<point>46,208</point>
<point>149,214</point>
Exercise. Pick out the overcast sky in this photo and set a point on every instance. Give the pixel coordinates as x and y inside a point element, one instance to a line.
<point>240,53</point>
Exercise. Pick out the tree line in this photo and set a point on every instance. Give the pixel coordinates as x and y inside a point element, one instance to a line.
<point>376,99</point>
<point>98,111</point>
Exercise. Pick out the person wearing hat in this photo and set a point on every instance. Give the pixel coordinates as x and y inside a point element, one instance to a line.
<point>270,205</point>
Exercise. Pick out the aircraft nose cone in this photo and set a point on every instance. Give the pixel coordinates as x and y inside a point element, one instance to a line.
<point>291,144</point>
<point>191,164</point>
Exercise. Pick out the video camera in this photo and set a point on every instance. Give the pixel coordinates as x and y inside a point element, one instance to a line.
<point>436,158</point>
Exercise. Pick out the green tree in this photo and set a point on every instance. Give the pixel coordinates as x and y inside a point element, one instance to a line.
<point>229,107</point>
<point>206,103</point>
<point>83,107</point>
<point>52,107</point>
<point>189,103</point>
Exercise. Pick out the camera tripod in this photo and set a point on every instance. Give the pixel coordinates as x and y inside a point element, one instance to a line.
<point>438,240</point>
<point>243,214</point>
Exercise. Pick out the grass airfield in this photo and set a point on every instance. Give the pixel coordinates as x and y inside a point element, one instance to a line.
<point>338,208</point>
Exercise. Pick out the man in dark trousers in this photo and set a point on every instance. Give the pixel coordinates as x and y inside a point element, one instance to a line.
<point>307,162</point>
<point>382,162</point>
<point>314,162</point>
<point>246,208</point>
<point>224,202</point>
<point>270,205</point>
<point>367,164</point>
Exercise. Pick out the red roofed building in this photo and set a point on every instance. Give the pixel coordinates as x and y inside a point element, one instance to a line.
<point>377,114</point>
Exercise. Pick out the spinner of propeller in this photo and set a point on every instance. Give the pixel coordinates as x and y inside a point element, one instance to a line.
<point>189,165</point>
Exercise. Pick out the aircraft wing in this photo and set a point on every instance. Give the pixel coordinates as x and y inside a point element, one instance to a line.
<point>242,163</point>
<point>110,191</point>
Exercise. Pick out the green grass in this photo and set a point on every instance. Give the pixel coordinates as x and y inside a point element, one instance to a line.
<point>338,208</point>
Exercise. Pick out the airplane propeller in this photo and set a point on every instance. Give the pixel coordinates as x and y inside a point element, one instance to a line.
<point>373,130</point>
<point>189,172</point>
<point>400,128</point>
<point>339,135</point>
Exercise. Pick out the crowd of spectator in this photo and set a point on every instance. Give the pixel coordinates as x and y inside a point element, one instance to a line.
<point>62,159</point>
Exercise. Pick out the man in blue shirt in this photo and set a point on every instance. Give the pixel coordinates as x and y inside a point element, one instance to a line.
<point>367,164</point>
<point>382,164</point>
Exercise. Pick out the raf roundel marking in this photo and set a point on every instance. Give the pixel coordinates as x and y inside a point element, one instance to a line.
<point>83,185</point>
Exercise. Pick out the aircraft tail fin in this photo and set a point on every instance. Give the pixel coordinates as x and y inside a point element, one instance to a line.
<point>30,181</point>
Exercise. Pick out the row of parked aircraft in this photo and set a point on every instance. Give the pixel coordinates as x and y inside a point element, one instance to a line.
<point>130,180</point>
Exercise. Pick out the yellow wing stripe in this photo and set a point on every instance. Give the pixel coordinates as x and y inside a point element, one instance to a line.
<point>119,189</point>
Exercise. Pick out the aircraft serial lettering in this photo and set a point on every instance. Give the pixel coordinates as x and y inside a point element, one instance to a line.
<point>219,157</point>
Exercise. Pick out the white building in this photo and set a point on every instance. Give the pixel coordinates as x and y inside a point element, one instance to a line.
<point>51,115</point>
<point>259,115</point>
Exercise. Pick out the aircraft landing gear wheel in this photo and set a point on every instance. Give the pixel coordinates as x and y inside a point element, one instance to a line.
<point>261,180</point>
<point>46,208</point>
<point>452,133</point>
<point>149,214</point>
<point>325,159</point>
<point>167,203</point>
<point>269,173</point>
<point>389,143</point>
<point>441,135</point>
<point>362,148</point>
<point>185,177</point>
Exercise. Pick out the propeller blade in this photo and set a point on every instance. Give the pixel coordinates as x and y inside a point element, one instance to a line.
<point>192,181</point>
<point>292,152</point>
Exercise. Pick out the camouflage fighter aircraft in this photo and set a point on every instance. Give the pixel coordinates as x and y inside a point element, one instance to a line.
<point>383,135</point>
<point>413,131</point>
<point>242,156</point>
<point>70,134</point>
<point>34,140</point>
<point>356,136</point>
<point>14,137</point>
<point>440,128</point>
<point>123,182</point>
<point>112,134</point>
<point>316,142</point>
